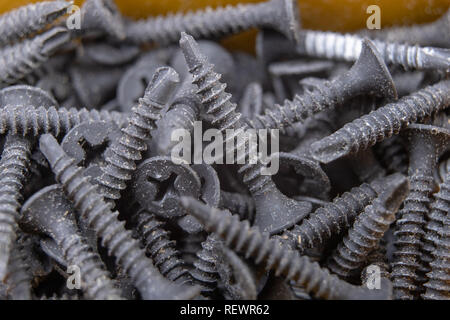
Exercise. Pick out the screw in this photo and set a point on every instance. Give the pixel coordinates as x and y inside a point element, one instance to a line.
<point>93,209</point>
<point>369,75</point>
<point>367,230</point>
<point>437,285</point>
<point>426,144</point>
<point>102,17</point>
<point>382,123</point>
<point>428,34</point>
<point>274,211</point>
<point>21,59</point>
<point>336,217</point>
<point>160,248</point>
<point>437,216</point>
<point>249,241</point>
<point>281,15</point>
<point>48,212</point>
<point>30,120</point>
<point>251,103</point>
<point>122,155</point>
<point>347,47</point>
<point>238,203</point>
<point>109,54</point>
<point>29,19</point>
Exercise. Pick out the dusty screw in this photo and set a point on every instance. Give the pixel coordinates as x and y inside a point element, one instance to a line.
<point>369,75</point>
<point>348,47</point>
<point>335,217</point>
<point>281,15</point>
<point>30,120</point>
<point>367,230</point>
<point>426,144</point>
<point>274,211</point>
<point>104,222</point>
<point>382,123</point>
<point>249,241</point>
<point>21,59</point>
<point>14,166</point>
<point>26,20</point>
<point>429,34</point>
<point>122,155</point>
<point>160,248</point>
<point>48,212</point>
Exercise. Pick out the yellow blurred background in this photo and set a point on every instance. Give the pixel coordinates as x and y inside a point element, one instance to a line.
<point>335,15</point>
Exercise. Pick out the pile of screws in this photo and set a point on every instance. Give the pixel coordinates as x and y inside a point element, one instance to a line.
<point>93,205</point>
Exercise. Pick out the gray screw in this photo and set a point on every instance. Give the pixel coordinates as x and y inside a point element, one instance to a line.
<point>14,165</point>
<point>428,34</point>
<point>122,155</point>
<point>426,144</point>
<point>336,217</point>
<point>369,75</point>
<point>367,230</point>
<point>26,20</point>
<point>93,209</point>
<point>251,103</point>
<point>274,211</point>
<point>30,120</point>
<point>437,285</point>
<point>160,248</point>
<point>48,212</point>
<point>23,58</point>
<point>281,15</point>
<point>252,243</point>
<point>348,47</point>
<point>382,123</point>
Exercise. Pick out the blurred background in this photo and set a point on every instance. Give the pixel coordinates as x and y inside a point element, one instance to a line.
<point>334,15</point>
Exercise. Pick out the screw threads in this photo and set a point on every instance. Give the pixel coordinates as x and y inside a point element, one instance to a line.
<point>205,271</point>
<point>23,58</point>
<point>240,204</point>
<point>29,19</point>
<point>252,243</point>
<point>94,278</point>
<point>14,166</point>
<point>438,285</point>
<point>225,117</point>
<point>348,47</point>
<point>29,120</point>
<point>122,155</point>
<point>160,248</point>
<point>409,233</point>
<point>105,223</point>
<point>362,238</point>
<point>382,123</point>
<point>333,218</point>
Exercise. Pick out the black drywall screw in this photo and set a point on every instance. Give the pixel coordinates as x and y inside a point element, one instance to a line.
<point>369,75</point>
<point>29,19</point>
<point>30,120</point>
<point>19,279</point>
<point>437,215</point>
<point>160,248</point>
<point>367,230</point>
<point>382,123</point>
<point>336,217</point>
<point>348,47</point>
<point>48,212</point>
<point>437,286</point>
<point>281,15</point>
<point>249,241</point>
<point>426,143</point>
<point>93,209</point>
<point>205,271</point>
<point>427,34</point>
<point>122,155</point>
<point>102,17</point>
<point>21,59</point>
<point>274,211</point>
<point>14,166</point>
